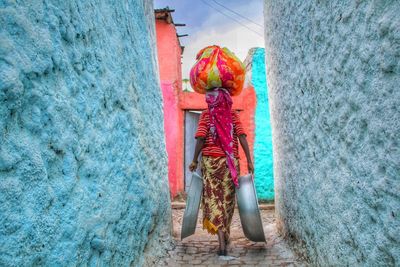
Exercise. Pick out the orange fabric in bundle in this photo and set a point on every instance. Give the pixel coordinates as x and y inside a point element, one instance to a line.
<point>217,67</point>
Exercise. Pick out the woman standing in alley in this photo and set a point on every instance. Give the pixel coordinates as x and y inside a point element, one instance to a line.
<point>219,74</point>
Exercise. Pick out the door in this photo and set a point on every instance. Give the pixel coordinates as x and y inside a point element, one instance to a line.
<point>191,122</point>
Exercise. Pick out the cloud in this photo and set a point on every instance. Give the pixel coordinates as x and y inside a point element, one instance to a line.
<point>220,30</point>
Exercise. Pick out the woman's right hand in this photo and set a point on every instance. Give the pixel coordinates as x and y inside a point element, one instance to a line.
<point>193,166</point>
<point>250,167</point>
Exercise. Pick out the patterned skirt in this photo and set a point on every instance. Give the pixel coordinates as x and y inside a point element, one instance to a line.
<point>218,199</point>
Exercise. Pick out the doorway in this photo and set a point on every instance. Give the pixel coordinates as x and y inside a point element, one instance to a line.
<point>191,122</point>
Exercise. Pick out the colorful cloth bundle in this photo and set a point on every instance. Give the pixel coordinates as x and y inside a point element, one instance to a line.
<point>217,67</point>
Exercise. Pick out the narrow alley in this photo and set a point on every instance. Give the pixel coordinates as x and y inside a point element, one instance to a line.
<point>200,248</point>
<point>109,108</point>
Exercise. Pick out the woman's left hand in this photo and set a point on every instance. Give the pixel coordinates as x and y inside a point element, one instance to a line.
<point>250,167</point>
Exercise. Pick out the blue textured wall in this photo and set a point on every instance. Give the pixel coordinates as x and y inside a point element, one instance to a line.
<point>264,181</point>
<point>83,178</point>
<point>333,76</point>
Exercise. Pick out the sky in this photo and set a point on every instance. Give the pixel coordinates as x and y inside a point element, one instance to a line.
<point>207,26</point>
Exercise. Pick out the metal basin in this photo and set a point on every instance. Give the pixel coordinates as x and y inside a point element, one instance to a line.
<point>192,206</point>
<point>248,209</point>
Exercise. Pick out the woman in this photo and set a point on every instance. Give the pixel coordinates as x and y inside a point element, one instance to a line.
<point>217,138</point>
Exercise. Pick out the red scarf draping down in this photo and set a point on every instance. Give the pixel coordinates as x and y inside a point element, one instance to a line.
<point>221,125</point>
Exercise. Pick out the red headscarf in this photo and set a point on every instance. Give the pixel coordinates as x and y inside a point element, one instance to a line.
<point>221,125</point>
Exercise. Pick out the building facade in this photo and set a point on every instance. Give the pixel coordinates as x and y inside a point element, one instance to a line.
<point>169,52</point>
<point>182,109</point>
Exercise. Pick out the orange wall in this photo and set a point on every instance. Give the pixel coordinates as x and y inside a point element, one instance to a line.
<point>193,100</point>
<point>248,98</point>
<point>245,103</point>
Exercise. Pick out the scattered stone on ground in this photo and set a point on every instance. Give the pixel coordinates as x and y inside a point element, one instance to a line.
<point>200,249</point>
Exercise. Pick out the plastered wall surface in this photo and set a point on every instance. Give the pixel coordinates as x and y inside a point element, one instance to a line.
<point>333,76</point>
<point>83,167</point>
<point>263,160</point>
<point>169,59</point>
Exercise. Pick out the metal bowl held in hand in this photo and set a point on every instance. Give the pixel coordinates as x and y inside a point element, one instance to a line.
<point>192,206</point>
<point>248,209</point>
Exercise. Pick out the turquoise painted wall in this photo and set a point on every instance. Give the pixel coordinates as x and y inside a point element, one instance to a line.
<point>264,180</point>
<point>83,177</point>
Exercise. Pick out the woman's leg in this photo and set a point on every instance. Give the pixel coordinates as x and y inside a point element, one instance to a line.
<point>227,239</point>
<point>221,240</point>
<point>217,188</point>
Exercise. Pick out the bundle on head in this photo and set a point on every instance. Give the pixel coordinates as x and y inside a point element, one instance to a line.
<point>217,67</point>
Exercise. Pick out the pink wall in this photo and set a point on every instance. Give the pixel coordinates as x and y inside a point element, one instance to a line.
<point>169,53</point>
<point>169,58</point>
<point>173,125</point>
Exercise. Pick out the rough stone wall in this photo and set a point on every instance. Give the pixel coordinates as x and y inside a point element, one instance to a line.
<point>333,76</point>
<point>83,178</point>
